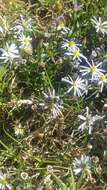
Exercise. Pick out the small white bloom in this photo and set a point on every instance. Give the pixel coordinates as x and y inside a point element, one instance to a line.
<point>52,103</point>
<point>92,69</point>
<point>9,53</point>
<point>3,182</point>
<point>88,121</point>
<point>61,25</point>
<point>76,54</point>
<point>25,41</point>
<point>99,25</point>
<point>23,25</point>
<point>82,164</point>
<point>78,86</point>
<point>70,44</point>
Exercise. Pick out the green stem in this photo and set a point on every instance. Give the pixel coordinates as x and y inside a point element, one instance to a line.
<point>10,136</point>
<point>4,146</point>
<point>48,78</point>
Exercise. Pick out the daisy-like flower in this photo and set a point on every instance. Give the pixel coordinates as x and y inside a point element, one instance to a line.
<point>88,121</point>
<point>82,165</point>
<point>9,53</point>
<point>52,103</point>
<point>78,86</point>
<point>23,25</point>
<point>3,182</point>
<point>70,44</point>
<point>92,69</point>
<point>76,54</point>
<point>102,81</point>
<point>25,41</point>
<point>100,26</point>
<point>61,24</point>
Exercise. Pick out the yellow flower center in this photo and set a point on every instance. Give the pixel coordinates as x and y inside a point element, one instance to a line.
<point>24,24</point>
<point>88,119</point>
<point>26,40</point>
<point>105,56</point>
<point>62,24</point>
<point>75,84</point>
<point>93,69</point>
<point>76,53</point>
<point>71,43</point>
<point>3,181</point>
<point>102,77</point>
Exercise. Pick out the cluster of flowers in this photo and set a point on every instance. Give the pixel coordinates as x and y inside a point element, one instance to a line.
<point>90,72</point>
<point>22,39</point>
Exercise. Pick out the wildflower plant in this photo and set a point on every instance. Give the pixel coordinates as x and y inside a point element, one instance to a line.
<point>82,165</point>
<point>10,53</point>
<point>3,182</point>
<point>100,26</point>
<point>53,103</point>
<point>88,121</point>
<point>53,98</point>
<point>78,87</point>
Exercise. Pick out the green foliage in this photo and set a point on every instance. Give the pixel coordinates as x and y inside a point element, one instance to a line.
<point>30,140</point>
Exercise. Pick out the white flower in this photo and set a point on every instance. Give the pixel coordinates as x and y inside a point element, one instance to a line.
<point>82,164</point>
<point>9,53</point>
<point>76,54</point>
<point>99,25</point>
<point>70,44</point>
<point>61,25</point>
<point>88,121</point>
<point>23,25</point>
<point>52,103</point>
<point>92,69</point>
<point>25,41</point>
<point>78,86</point>
<point>3,182</point>
<point>102,81</point>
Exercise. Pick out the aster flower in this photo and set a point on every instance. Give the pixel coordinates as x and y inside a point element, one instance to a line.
<point>61,25</point>
<point>92,69</point>
<point>88,121</point>
<point>24,40</point>
<point>3,182</point>
<point>82,165</point>
<point>100,26</point>
<point>52,103</point>
<point>78,86</point>
<point>76,54</point>
<point>23,25</point>
<point>9,53</point>
<point>70,44</point>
